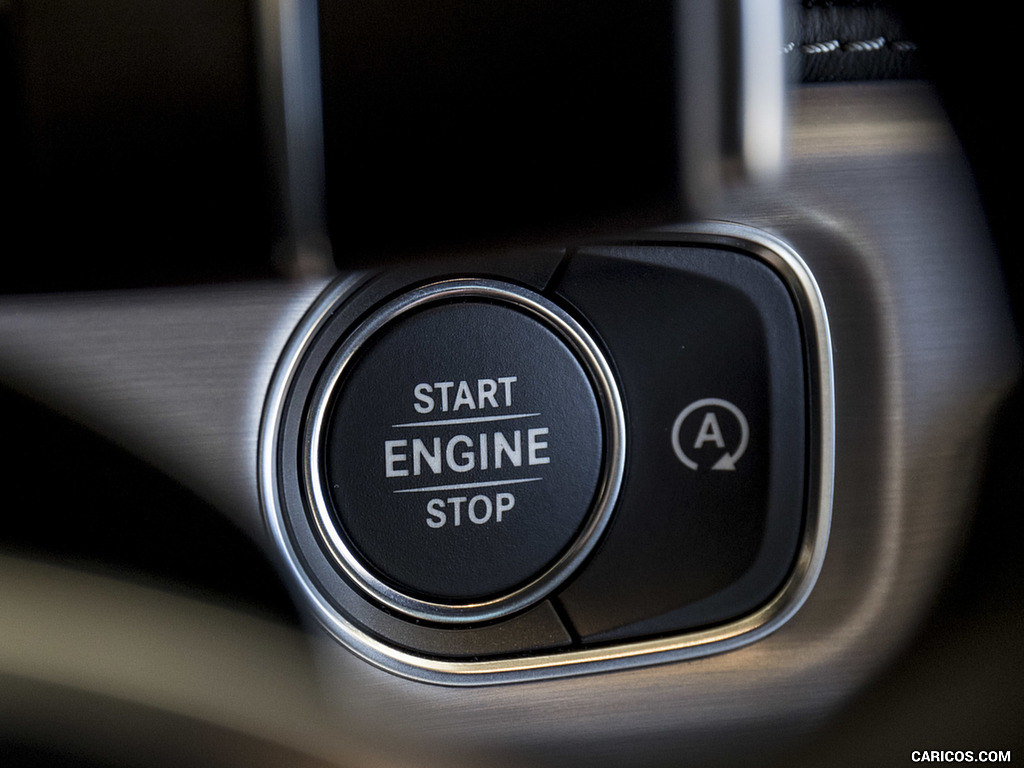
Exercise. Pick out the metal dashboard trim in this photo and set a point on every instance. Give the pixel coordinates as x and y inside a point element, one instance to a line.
<point>811,312</point>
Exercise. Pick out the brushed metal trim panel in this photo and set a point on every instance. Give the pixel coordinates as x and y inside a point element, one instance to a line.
<point>924,352</point>
<point>879,203</point>
<point>175,375</point>
<point>684,645</point>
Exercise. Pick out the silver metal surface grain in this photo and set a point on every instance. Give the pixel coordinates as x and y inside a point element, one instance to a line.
<point>175,375</point>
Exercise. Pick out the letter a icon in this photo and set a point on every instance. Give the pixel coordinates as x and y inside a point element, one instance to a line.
<point>710,431</point>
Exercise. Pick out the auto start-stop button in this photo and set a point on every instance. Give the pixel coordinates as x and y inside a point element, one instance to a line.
<point>464,451</point>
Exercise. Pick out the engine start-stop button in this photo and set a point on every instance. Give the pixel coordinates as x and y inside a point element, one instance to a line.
<point>464,451</point>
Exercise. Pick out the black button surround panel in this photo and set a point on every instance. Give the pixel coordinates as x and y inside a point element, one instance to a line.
<point>671,500</point>
<point>709,353</point>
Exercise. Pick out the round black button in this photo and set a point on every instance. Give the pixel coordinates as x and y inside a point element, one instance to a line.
<point>459,448</point>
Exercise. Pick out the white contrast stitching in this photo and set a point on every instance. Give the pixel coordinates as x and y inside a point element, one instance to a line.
<point>854,46</point>
<point>828,46</point>
<point>903,46</point>
<point>861,46</point>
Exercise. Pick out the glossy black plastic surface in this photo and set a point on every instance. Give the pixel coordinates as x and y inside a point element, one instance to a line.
<point>708,350</point>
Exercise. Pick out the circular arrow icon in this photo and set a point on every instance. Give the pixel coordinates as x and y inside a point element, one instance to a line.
<point>710,432</point>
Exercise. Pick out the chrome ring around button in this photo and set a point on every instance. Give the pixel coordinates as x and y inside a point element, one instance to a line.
<point>586,352</point>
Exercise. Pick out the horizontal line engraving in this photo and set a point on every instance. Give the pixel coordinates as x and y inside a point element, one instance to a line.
<point>468,420</point>
<point>460,486</point>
